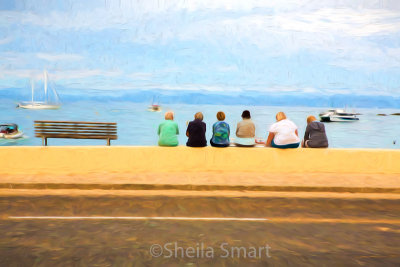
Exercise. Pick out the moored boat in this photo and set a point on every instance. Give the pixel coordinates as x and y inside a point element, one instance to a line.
<point>10,131</point>
<point>46,104</point>
<point>154,107</point>
<point>338,115</point>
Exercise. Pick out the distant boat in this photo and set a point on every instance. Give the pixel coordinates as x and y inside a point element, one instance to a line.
<point>10,131</point>
<point>154,107</point>
<point>46,104</point>
<point>338,115</point>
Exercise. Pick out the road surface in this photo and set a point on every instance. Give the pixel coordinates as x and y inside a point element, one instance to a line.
<point>119,228</point>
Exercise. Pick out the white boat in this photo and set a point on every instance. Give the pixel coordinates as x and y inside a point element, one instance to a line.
<point>10,131</point>
<point>46,104</point>
<point>338,115</point>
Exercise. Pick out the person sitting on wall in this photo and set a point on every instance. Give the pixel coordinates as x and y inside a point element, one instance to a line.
<point>245,131</point>
<point>168,131</point>
<point>221,131</point>
<point>196,131</point>
<point>315,136</point>
<point>283,133</point>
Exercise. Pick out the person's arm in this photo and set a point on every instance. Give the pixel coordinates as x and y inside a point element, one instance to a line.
<point>237,129</point>
<point>269,139</point>
<point>229,130</point>
<point>187,130</point>
<point>177,129</point>
<point>307,134</point>
<point>297,133</point>
<point>159,129</point>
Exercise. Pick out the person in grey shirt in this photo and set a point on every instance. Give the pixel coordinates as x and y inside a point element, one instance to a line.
<point>315,136</point>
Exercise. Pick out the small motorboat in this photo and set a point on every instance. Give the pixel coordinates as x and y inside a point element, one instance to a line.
<point>338,115</point>
<point>10,131</point>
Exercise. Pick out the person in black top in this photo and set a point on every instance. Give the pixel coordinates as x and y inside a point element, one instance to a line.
<point>315,136</point>
<point>196,131</point>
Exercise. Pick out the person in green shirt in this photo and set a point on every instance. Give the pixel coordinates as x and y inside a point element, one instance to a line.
<point>168,131</point>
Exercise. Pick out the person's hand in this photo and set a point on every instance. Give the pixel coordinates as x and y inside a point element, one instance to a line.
<point>259,141</point>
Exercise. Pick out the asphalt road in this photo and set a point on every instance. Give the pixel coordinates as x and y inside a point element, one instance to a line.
<point>296,231</point>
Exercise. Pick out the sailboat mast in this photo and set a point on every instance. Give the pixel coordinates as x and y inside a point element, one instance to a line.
<point>45,86</point>
<point>33,89</point>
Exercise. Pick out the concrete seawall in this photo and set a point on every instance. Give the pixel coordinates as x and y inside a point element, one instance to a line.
<point>130,159</point>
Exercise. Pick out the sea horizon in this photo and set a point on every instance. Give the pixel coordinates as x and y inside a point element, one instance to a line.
<point>256,98</point>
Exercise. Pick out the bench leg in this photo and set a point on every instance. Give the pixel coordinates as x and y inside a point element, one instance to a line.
<point>44,141</point>
<point>108,141</point>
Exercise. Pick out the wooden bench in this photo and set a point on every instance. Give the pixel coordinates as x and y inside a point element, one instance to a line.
<point>75,130</point>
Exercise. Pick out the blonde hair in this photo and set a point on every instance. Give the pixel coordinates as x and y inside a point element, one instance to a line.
<point>280,116</point>
<point>311,119</point>
<point>220,116</point>
<point>198,116</point>
<point>169,115</point>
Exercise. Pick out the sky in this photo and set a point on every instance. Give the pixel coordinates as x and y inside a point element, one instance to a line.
<point>301,47</point>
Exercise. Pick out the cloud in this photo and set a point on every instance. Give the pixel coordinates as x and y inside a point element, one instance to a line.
<point>344,36</point>
<point>59,57</point>
<point>58,75</point>
<point>6,40</point>
<point>140,75</point>
<point>342,21</point>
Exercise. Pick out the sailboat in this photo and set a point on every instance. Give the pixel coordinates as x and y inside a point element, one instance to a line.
<point>46,104</point>
<point>154,107</point>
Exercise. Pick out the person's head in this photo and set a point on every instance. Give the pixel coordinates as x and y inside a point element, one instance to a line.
<point>220,116</point>
<point>169,115</point>
<point>311,119</point>
<point>198,116</point>
<point>280,116</point>
<point>246,114</point>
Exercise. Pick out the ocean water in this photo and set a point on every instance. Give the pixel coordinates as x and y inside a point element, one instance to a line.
<point>137,126</point>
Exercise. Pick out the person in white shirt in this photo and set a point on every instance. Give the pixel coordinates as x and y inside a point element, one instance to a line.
<point>283,133</point>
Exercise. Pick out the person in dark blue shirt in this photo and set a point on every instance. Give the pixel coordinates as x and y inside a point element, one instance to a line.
<point>196,131</point>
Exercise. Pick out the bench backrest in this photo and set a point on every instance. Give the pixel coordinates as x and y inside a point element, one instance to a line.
<point>76,129</point>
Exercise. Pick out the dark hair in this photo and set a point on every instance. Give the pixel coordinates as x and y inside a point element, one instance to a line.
<point>246,114</point>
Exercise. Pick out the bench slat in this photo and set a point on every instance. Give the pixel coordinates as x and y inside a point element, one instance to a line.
<point>74,126</point>
<point>76,122</point>
<point>70,131</point>
<point>78,136</point>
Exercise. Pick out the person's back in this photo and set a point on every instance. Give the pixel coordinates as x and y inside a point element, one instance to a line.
<point>168,131</point>
<point>284,132</point>
<point>196,131</point>
<point>246,129</point>
<point>315,135</point>
<point>221,132</point>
